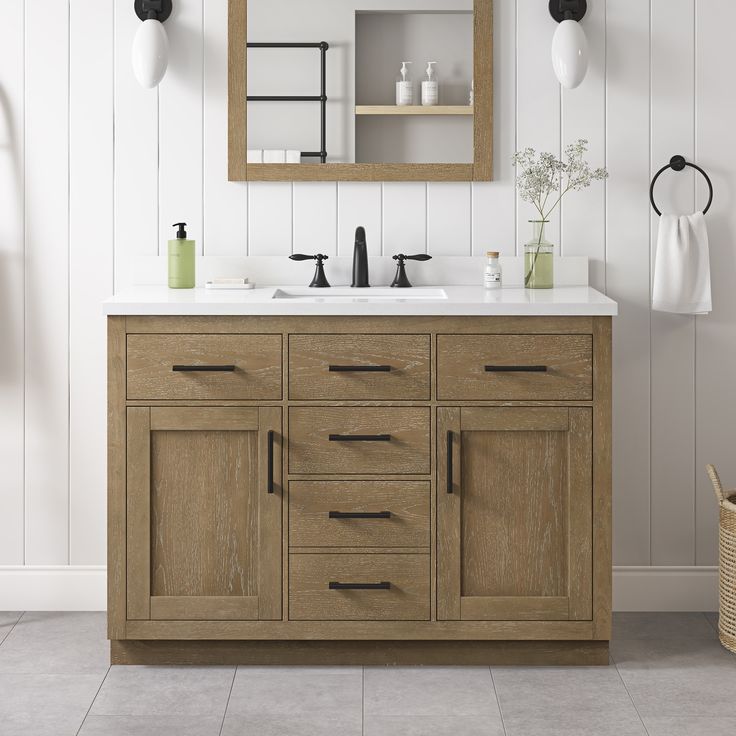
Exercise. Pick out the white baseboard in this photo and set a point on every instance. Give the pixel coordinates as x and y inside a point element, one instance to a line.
<point>83,588</point>
<point>53,588</point>
<point>665,588</point>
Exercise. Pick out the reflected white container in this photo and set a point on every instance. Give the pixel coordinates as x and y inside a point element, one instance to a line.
<point>150,53</point>
<point>570,53</point>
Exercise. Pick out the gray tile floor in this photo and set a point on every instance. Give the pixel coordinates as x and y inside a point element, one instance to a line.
<point>668,677</point>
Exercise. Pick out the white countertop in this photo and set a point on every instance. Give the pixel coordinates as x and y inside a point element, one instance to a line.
<point>575,301</point>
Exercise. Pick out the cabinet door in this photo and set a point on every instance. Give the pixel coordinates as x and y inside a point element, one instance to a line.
<point>514,500</point>
<point>204,513</point>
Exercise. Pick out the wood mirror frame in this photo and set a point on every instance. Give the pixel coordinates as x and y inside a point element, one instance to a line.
<point>480,170</point>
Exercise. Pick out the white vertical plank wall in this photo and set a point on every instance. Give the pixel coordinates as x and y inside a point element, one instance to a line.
<point>94,170</point>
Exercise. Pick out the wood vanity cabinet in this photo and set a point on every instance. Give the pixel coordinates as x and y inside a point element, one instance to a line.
<point>359,490</point>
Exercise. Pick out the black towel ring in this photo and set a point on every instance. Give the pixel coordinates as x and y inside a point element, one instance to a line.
<point>678,163</point>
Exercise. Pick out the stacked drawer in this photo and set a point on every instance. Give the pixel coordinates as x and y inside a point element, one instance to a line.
<point>359,541</point>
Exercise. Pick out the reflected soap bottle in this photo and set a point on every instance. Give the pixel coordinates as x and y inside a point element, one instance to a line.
<point>430,88</point>
<point>181,259</point>
<point>404,88</point>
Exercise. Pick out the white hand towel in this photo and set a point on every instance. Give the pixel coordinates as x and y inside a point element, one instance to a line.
<point>254,156</point>
<point>293,157</point>
<point>682,266</point>
<point>274,156</point>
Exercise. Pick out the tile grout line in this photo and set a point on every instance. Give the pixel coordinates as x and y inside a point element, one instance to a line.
<point>84,720</point>
<point>498,701</point>
<point>623,682</point>
<point>227,704</point>
<point>12,628</point>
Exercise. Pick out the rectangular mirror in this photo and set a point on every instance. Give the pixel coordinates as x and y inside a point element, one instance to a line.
<point>316,90</point>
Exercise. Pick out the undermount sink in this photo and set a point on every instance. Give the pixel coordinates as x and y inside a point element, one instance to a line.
<point>360,295</point>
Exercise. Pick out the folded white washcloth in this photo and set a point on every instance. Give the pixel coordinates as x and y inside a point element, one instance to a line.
<point>254,156</point>
<point>682,266</point>
<point>293,157</point>
<point>274,156</point>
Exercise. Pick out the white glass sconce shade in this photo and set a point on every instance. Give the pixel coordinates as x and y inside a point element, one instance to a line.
<point>150,53</point>
<point>570,54</point>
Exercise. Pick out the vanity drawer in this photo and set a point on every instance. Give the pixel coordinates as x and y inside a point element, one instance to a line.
<point>360,587</point>
<point>336,367</point>
<point>204,367</point>
<point>351,440</point>
<point>359,513</point>
<point>515,367</point>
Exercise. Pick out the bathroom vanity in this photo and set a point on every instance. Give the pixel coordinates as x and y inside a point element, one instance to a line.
<point>345,479</point>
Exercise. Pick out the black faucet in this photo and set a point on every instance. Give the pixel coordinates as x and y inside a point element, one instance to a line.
<point>320,280</point>
<point>360,260</point>
<point>401,279</point>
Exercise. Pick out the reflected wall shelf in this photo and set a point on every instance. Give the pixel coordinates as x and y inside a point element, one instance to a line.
<point>413,110</point>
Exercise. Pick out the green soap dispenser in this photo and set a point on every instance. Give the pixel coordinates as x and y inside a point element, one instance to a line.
<point>181,260</point>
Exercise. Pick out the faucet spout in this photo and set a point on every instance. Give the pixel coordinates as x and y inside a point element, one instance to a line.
<point>360,260</point>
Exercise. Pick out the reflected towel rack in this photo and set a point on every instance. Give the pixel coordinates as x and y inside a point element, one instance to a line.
<point>321,97</point>
<point>678,163</point>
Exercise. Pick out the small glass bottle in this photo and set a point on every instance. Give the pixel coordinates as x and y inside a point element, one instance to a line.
<point>492,275</point>
<point>538,259</point>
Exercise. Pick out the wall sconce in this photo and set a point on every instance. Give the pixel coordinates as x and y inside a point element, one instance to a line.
<point>151,44</point>
<point>569,45</point>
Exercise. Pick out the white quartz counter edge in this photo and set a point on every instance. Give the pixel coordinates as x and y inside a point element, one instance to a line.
<point>473,300</point>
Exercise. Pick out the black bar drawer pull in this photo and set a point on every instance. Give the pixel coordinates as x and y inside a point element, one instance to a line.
<point>516,369</point>
<point>203,368</point>
<point>360,369</point>
<point>359,514</point>
<point>271,437</point>
<point>359,586</point>
<point>449,461</point>
<point>360,438</point>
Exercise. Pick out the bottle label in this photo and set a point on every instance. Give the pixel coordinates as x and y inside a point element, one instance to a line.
<point>492,280</point>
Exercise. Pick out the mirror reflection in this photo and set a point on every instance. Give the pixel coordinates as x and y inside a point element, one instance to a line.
<point>360,81</point>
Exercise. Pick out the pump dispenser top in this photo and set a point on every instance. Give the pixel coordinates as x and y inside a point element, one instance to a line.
<point>181,233</point>
<point>404,70</point>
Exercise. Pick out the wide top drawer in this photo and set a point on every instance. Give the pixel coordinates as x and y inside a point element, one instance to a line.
<point>237,367</point>
<point>515,367</point>
<point>337,367</point>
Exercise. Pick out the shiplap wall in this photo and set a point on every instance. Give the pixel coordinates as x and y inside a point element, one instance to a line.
<point>93,171</point>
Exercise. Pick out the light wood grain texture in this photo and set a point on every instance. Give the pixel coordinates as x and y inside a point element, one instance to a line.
<point>353,325</point>
<point>310,358</point>
<point>116,479</point>
<point>193,419</point>
<point>257,361</point>
<point>483,90</point>
<point>138,516</point>
<point>407,653</point>
<point>363,630</point>
<point>310,598</point>
<point>360,172</point>
<point>413,110</point>
<point>514,521</point>
<point>311,451</point>
<point>270,562</point>
<point>461,362</point>
<point>602,480</point>
<point>236,95</point>
<point>311,501</point>
<point>204,608</point>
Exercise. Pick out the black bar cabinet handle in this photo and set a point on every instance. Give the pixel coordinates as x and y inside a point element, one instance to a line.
<point>203,368</point>
<point>359,514</point>
<point>516,369</point>
<point>360,438</point>
<point>449,461</point>
<point>360,369</point>
<point>334,585</point>
<point>271,436</point>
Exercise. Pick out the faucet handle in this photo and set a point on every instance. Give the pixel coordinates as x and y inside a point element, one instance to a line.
<point>401,279</point>
<point>320,280</point>
<point>418,257</point>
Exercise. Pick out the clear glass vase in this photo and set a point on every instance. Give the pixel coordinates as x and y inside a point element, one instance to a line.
<point>539,269</point>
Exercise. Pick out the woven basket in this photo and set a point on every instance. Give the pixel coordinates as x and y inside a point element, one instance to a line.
<point>727,555</point>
